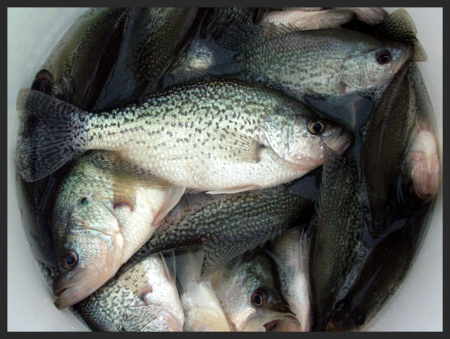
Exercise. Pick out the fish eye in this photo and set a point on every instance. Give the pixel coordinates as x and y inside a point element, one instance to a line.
<point>384,57</point>
<point>69,259</point>
<point>315,127</point>
<point>260,297</point>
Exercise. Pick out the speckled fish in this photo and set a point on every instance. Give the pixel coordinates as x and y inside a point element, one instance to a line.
<point>144,298</point>
<point>102,215</point>
<point>248,292</point>
<point>153,39</point>
<point>382,274</point>
<point>85,56</point>
<point>202,308</point>
<point>219,136</point>
<point>111,56</point>
<point>229,225</point>
<point>335,234</point>
<point>316,63</point>
<point>290,254</point>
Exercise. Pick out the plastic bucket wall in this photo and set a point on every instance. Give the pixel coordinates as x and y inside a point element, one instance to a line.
<point>32,33</point>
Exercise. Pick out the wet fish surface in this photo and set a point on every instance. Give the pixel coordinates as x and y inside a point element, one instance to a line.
<point>228,226</point>
<point>101,217</point>
<point>144,298</point>
<point>227,136</point>
<point>335,234</point>
<point>248,291</point>
<point>201,306</point>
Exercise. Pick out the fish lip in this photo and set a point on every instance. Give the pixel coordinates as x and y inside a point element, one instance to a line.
<point>340,143</point>
<point>267,318</point>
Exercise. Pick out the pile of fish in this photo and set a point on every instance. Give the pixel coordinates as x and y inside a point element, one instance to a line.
<point>229,169</point>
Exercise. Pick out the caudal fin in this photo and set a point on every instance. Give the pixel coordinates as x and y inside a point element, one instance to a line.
<point>51,134</point>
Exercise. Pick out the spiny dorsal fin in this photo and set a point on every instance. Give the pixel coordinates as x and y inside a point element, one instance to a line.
<point>399,25</point>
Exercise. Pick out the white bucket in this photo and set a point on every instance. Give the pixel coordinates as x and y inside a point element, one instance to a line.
<point>32,33</point>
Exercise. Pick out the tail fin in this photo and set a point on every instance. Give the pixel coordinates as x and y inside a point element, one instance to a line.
<point>51,134</point>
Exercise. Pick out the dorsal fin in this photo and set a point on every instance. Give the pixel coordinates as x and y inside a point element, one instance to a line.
<point>399,25</point>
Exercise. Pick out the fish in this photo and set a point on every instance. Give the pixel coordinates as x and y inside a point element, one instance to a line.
<point>308,20</point>
<point>203,312</point>
<point>248,292</point>
<point>382,273</point>
<point>226,226</point>
<point>153,39</point>
<point>218,136</point>
<point>144,298</point>
<point>370,15</point>
<point>304,63</point>
<point>101,216</point>
<point>85,56</point>
<point>116,55</point>
<point>335,235</point>
<point>422,164</point>
<point>400,130</point>
<point>289,251</point>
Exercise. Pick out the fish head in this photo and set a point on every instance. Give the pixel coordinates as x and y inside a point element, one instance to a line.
<point>270,312</point>
<point>88,250</point>
<point>374,65</point>
<point>249,293</point>
<point>299,139</point>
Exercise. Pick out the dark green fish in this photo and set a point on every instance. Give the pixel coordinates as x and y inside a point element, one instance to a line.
<point>82,66</point>
<point>229,225</point>
<point>335,234</point>
<point>143,298</point>
<point>382,274</point>
<point>153,39</point>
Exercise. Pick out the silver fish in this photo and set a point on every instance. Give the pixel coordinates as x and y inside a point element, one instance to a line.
<point>218,136</point>
<point>249,294</point>
<point>201,306</point>
<point>101,217</point>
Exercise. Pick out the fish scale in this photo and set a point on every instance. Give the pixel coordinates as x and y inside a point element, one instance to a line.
<point>206,136</point>
<point>237,222</point>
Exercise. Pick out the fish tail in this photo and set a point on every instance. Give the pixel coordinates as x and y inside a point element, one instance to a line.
<point>51,134</point>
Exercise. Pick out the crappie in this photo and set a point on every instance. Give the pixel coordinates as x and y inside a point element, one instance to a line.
<point>290,253</point>
<point>201,306</point>
<point>144,298</point>
<point>400,130</point>
<point>382,274</point>
<point>219,136</point>
<point>248,292</point>
<point>101,216</point>
<point>316,63</point>
<point>121,54</point>
<point>229,225</point>
<point>335,234</point>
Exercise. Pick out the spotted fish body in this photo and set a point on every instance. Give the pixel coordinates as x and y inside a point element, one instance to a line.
<point>220,136</point>
<point>144,298</point>
<point>230,225</point>
<point>324,62</point>
<point>101,217</point>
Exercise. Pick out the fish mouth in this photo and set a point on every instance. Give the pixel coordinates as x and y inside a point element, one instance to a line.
<point>339,142</point>
<point>270,321</point>
<point>72,287</point>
